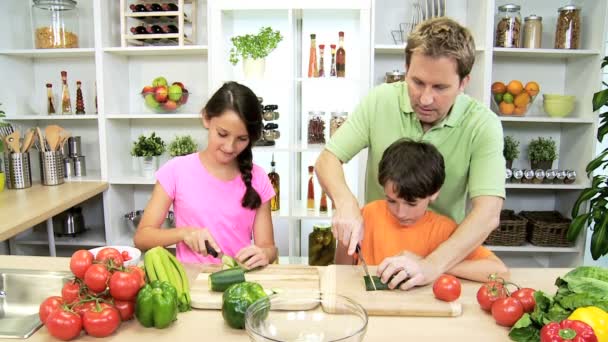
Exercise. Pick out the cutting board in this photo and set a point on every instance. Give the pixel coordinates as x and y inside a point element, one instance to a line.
<point>348,281</point>
<point>292,278</point>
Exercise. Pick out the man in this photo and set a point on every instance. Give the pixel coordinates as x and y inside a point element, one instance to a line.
<point>429,106</point>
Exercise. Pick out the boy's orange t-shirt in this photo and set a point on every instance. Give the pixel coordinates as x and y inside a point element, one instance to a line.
<point>384,237</point>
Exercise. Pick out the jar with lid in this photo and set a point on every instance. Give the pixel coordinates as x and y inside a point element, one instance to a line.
<point>394,76</point>
<point>55,24</point>
<point>533,31</point>
<point>316,128</point>
<point>508,175</point>
<point>570,177</point>
<point>560,175</point>
<point>550,176</point>
<point>568,28</point>
<point>337,119</point>
<point>321,246</point>
<point>518,175</point>
<point>508,27</point>
<point>528,176</point>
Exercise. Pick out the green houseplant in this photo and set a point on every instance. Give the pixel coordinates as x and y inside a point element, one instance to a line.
<point>597,193</point>
<point>510,150</point>
<point>147,149</point>
<point>254,48</point>
<point>542,152</point>
<point>182,145</point>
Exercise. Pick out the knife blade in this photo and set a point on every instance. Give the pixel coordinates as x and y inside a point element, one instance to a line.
<point>364,264</point>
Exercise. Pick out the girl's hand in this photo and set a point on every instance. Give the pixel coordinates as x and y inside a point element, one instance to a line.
<point>195,239</point>
<point>252,257</point>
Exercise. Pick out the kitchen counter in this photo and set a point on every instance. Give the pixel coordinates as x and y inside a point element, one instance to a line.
<point>208,324</point>
<point>24,208</point>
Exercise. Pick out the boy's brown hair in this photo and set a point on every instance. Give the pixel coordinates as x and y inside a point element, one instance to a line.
<point>416,169</point>
<point>443,37</point>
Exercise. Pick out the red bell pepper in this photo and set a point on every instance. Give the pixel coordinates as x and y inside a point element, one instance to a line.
<point>567,330</point>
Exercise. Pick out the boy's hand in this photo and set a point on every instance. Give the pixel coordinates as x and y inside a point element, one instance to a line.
<point>195,239</point>
<point>347,225</point>
<point>252,257</point>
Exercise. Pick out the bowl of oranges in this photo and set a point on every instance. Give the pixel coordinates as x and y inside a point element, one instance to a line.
<point>513,98</point>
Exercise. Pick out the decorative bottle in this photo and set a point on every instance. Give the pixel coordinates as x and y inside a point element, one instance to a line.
<point>50,102</point>
<point>323,202</point>
<point>66,103</point>
<point>312,59</point>
<point>275,203</point>
<point>310,195</point>
<point>332,70</point>
<point>79,99</point>
<point>321,60</point>
<point>341,57</point>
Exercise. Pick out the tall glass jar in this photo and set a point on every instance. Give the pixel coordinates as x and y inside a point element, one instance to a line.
<point>316,127</point>
<point>55,24</point>
<point>568,28</point>
<point>533,31</point>
<point>321,246</point>
<point>508,27</point>
<point>337,120</point>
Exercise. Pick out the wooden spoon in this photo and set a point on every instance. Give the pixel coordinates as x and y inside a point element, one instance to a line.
<point>52,136</point>
<point>28,141</point>
<point>13,141</point>
<point>40,139</point>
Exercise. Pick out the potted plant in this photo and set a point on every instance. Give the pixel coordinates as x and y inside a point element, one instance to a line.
<point>510,150</point>
<point>597,193</point>
<point>147,149</point>
<point>182,145</point>
<point>542,152</point>
<point>253,48</point>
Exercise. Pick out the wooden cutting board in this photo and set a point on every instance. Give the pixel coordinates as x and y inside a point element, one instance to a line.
<point>285,277</point>
<point>348,281</point>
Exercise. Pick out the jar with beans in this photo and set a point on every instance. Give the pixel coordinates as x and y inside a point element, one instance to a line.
<point>316,127</point>
<point>337,119</point>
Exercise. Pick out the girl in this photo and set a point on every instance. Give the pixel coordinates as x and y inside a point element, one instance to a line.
<point>219,196</point>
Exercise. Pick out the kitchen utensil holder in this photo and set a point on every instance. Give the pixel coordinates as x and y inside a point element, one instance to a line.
<point>74,146</point>
<point>17,170</point>
<point>51,168</point>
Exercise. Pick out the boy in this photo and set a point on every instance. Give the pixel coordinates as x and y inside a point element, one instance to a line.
<point>411,174</point>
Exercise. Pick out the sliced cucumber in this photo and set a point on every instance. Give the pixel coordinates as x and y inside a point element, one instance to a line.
<point>219,281</point>
<point>379,284</point>
<point>229,262</point>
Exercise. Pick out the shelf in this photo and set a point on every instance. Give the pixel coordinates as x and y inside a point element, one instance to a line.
<point>543,53</point>
<point>152,14</point>
<point>49,53</point>
<point>158,50</point>
<point>133,180</point>
<point>399,49</point>
<point>152,116</point>
<point>92,176</point>
<point>533,249</point>
<point>575,186</point>
<point>327,80</point>
<point>300,212</point>
<point>94,236</point>
<point>58,117</point>
<point>546,119</point>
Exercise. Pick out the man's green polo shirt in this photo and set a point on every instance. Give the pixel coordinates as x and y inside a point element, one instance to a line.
<point>470,139</point>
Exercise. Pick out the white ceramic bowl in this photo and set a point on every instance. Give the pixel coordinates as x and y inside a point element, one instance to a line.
<point>134,253</point>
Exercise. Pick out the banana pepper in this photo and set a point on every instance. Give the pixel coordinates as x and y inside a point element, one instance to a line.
<point>156,304</point>
<point>596,318</point>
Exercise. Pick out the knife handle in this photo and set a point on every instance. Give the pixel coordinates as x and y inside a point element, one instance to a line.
<point>211,250</point>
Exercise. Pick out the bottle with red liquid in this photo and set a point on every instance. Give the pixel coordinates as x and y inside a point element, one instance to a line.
<point>321,60</point>
<point>310,195</point>
<point>341,57</point>
<point>312,57</point>
<point>332,70</point>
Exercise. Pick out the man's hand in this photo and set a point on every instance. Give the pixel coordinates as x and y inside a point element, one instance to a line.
<point>407,269</point>
<point>347,225</point>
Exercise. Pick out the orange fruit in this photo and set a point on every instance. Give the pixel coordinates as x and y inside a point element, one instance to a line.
<point>498,88</point>
<point>532,88</point>
<point>522,100</point>
<point>506,108</point>
<point>515,87</point>
<point>519,110</point>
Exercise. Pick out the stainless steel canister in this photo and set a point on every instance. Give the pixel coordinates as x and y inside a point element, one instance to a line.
<point>80,168</point>
<point>74,146</point>
<point>51,168</point>
<point>68,167</point>
<point>17,170</point>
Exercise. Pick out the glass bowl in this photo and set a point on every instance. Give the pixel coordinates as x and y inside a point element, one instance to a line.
<point>306,316</point>
<point>162,101</point>
<point>513,98</point>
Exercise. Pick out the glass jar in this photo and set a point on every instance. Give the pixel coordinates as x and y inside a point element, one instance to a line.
<point>508,27</point>
<point>533,31</point>
<point>568,28</point>
<point>560,175</point>
<point>55,24</point>
<point>508,175</point>
<point>570,177</point>
<point>321,246</point>
<point>337,119</point>
<point>550,176</point>
<point>316,128</point>
<point>518,175</point>
<point>394,76</point>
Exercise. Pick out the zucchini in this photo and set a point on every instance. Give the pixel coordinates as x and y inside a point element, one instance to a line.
<point>379,284</point>
<point>228,262</point>
<point>219,281</point>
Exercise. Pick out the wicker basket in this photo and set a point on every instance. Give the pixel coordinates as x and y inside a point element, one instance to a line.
<point>547,228</point>
<point>511,232</point>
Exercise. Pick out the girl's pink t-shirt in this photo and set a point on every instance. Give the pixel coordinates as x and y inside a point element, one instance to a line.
<point>201,200</point>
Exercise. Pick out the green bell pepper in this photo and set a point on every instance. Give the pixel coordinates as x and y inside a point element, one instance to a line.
<point>156,304</point>
<point>236,299</point>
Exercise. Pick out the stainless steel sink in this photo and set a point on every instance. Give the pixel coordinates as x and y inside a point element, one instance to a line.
<point>21,292</point>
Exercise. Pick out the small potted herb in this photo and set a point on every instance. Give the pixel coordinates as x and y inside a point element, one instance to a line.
<point>182,145</point>
<point>148,149</point>
<point>254,48</point>
<point>510,150</point>
<point>542,152</point>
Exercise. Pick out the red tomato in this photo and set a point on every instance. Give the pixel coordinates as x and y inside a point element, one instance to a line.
<point>109,253</point>
<point>126,308</point>
<point>141,273</point>
<point>64,325</point>
<point>80,262</point>
<point>101,321</point>
<point>96,278</point>
<point>124,285</point>
<point>447,288</point>
<point>489,292</point>
<point>81,308</point>
<point>506,311</point>
<point>47,306</point>
<point>526,297</point>
<point>125,256</point>
<point>70,292</point>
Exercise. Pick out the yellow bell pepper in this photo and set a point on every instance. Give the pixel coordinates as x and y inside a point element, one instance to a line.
<point>596,318</point>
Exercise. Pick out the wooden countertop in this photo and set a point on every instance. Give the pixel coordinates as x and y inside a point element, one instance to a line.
<point>473,324</point>
<point>21,209</point>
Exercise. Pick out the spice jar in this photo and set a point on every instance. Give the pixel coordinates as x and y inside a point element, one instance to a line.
<point>528,176</point>
<point>508,28</point>
<point>337,119</point>
<point>55,24</point>
<point>570,177</point>
<point>508,176</point>
<point>316,128</point>
<point>518,175</point>
<point>550,176</point>
<point>568,28</point>
<point>539,176</point>
<point>533,31</point>
<point>321,246</point>
<point>560,175</point>
<point>394,76</point>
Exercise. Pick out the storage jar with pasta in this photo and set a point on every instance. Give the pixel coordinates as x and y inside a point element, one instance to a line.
<point>55,24</point>
<point>508,27</point>
<point>568,30</point>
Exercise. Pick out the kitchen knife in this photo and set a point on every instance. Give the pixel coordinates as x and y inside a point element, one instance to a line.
<point>364,264</point>
<point>211,250</point>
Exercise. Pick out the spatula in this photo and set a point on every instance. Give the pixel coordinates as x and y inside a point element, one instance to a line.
<point>28,141</point>
<point>52,136</point>
<point>40,139</point>
<point>13,141</point>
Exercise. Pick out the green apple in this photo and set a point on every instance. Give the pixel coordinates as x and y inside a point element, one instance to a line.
<point>175,92</point>
<point>151,102</point>
<point>159,81</point>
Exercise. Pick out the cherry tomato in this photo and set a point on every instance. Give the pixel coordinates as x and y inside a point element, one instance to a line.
<point>141,273</point>
<point>79,263</point>
<point>47,306</point>
<point>64,325</point>
<point>125,256</point>
<point>70,292</point>
<point>124,285</point>
<point>506,311</point>
<point>109,253</point>
<point>447,288</point>
<point>101,321</point>
<point>81,308</point>
<point>96,278</point>
<point>126,308</point>
<point>489,292</point>
<point>526,298</point>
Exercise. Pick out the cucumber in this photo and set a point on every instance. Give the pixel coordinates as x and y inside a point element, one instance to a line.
<point>229,262</point>
<point>379,284</point>
<point>219,281</point>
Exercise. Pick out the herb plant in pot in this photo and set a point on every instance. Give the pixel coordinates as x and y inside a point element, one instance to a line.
<point>510,150</point>
<point>253,49</point>
<point>182,145</point>
<point>542,152</point>
<point>148,149</point>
